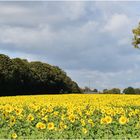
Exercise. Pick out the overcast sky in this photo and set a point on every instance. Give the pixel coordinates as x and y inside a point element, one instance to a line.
<point>91,41</point>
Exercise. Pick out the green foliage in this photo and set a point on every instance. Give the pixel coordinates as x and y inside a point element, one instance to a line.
<point>116,90</point>
<point>6,72</point>
<point>95,90</point>
<point>112,91</point>
<point>26,129</point>
<point>137,90</point>
<point>136,38</point>
<point>23,77</point>
<point>129,90</point>
<point>105,90</point>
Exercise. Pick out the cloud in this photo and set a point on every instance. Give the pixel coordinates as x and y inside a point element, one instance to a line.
<point>116,23</point>
<point>89,40</point>
<point>103,80</point>
<point>73,11</point>
<point>21,35</point>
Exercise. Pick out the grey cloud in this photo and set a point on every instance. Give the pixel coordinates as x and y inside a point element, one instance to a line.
<point>76,37</point>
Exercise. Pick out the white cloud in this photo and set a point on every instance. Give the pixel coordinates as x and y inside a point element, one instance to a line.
<point>90,26</point>
<point>8,10</point>
<point>73,10</point>
<point>25,36</point>
<point>45,38</point>
<point>116,23</point>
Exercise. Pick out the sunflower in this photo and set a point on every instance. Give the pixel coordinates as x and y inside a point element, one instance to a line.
<point>45,118</point>
<point>30,117</point>
<point>55,113</point>
<point>50,126</point>
<point>62,125</point>
<point>102,121</point>
<point>90,121</point>
<point>18,111</point>
<point>14,136</point>
<point>108,119</point>
<point>40,125</point>
<point>123,120</point>
<point>84,130</point>
<point>83,122</point>
<point>8,108</point>
<point>72,118</point>
<point>12,121</point>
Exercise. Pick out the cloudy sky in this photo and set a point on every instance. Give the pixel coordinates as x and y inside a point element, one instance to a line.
<point>91,41</point>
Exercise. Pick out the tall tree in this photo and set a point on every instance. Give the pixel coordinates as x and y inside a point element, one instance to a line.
<point>6,73</point>
<point>18,76</point>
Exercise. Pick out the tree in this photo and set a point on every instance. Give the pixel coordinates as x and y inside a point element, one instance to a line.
<point>87,89</point>
<point>105,91</point>
<point>95,90</point>
<point>6,73</point>
<point>137,90</point>
<point>115,91</point>
<point>129,90</point>
<point>136,38</point>
<point>112,91</point>
<point>18,76</point>
<point>24,78</point>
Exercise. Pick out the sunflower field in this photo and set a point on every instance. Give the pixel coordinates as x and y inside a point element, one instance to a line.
<point>73,116</point>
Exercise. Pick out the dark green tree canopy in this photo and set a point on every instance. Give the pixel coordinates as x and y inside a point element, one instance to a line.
<point>18,76</point>
<point>129,90</point>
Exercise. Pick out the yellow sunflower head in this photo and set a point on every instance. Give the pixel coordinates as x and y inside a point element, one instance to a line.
<point>123,120</point>
<point>14,136</point>
<point>40,125</point>
<point>50,126</point>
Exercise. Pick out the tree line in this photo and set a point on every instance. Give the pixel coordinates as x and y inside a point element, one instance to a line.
<point>18,76</point>
<point>128,90</point>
